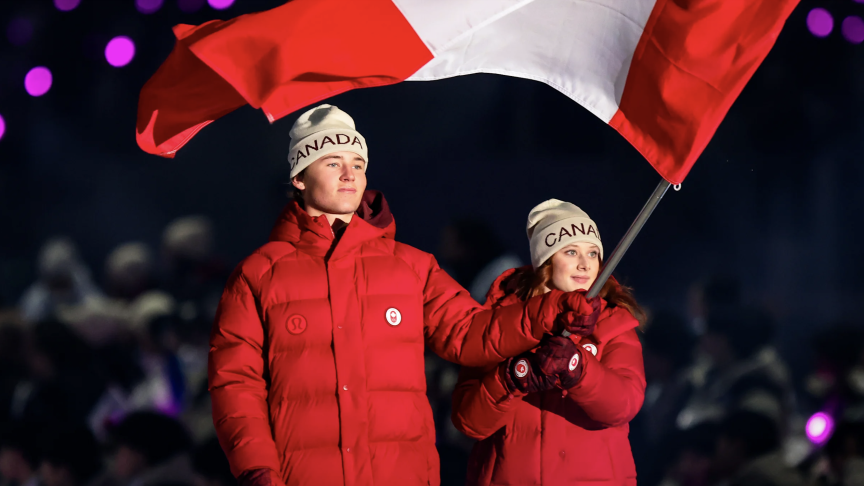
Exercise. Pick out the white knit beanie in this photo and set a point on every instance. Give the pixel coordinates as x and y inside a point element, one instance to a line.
<point>554,224</point>
<point>321,131</point>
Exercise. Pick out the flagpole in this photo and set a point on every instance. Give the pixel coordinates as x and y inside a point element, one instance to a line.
<point>628,238</point>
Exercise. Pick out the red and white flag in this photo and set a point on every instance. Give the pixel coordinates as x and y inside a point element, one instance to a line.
<point>663,73</point>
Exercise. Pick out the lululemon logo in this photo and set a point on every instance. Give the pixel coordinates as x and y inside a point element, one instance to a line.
<point>521,368</point>
<point>590,348</point>
<point>574,362</point>
<point>296,324</point>
<point>394,317</point>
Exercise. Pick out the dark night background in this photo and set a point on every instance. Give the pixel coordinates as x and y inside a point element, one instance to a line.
<point>774,201</point>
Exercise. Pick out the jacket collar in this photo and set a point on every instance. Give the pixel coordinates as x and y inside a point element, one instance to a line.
<point>313,235</point>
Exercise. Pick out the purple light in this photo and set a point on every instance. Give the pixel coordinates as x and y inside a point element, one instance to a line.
<point>853,29</point>
<point>190,6</point>
<point>820,22</point>
<point>148,6</point>
<point>819,428</point>
<point>2,127</point>
<point>19,31</point>
<point>38,81</point>
<point>66,5</point>
<point>220,4</point>
<point>120,51</point>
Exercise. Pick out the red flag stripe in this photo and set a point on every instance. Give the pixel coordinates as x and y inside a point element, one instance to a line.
<point>279,60</point>
<point>691,63</point>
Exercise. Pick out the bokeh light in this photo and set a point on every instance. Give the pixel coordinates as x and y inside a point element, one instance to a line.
<point>148,6</point>
<point>2,127</point>
<point>38,81</point>
<point>220,4</point>
<point>853,29</point>
<point>190,6</point>
<point>819,428</point>
<point>820,22</point>
<point>19,31</point>
<point>66,5</point>
<point>120,51</point>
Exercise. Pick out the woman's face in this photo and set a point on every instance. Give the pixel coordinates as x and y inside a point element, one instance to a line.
<point>575,267</point>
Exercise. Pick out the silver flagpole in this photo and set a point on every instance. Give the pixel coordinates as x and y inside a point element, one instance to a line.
<point>628,238</point>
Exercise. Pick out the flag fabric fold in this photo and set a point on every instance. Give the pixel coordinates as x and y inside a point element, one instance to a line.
<point>663,73</point>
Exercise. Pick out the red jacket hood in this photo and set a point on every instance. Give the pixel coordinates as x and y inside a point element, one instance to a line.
<point>503,292</point>
<point>313,235</point>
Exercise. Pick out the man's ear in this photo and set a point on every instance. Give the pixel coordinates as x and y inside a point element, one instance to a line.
<point>297,181</point>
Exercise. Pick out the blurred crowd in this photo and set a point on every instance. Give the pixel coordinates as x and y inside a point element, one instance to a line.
<point>103,376</point>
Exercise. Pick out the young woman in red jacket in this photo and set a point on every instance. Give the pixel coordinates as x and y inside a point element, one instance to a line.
<point>558,414</point>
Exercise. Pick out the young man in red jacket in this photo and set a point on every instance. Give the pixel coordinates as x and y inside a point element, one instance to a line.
<point>316,360</point>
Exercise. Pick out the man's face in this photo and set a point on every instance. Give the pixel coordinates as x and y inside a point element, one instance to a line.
<point>333,184</point>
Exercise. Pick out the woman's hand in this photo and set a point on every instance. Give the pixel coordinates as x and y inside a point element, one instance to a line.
<point>577,314</point>
<point>523,373</point>
<point>560,357</point>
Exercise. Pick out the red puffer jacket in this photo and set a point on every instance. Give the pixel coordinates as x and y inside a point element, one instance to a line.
<point>316,359</point>
<point>555,438</point>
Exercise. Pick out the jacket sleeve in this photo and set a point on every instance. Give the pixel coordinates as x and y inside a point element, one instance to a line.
<point>482,403</point>
<point>612,389</point>
<point>462,331</point>
<point>238,381</point>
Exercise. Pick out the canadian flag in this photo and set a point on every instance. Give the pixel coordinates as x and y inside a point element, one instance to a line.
<point>663,73</point>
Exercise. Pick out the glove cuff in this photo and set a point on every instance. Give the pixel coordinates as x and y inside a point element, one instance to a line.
<point>570,377</point>
<point>519,371</point>
<point>506,379</point>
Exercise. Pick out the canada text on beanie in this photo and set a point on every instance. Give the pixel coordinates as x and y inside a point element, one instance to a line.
<point>321,131</point>
<point>554,224</point>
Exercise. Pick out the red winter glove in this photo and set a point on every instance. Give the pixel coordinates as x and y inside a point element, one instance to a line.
<point>559,356</point>
<point>260,477</point>
<point>578,313</point>
<point>523,373</point>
